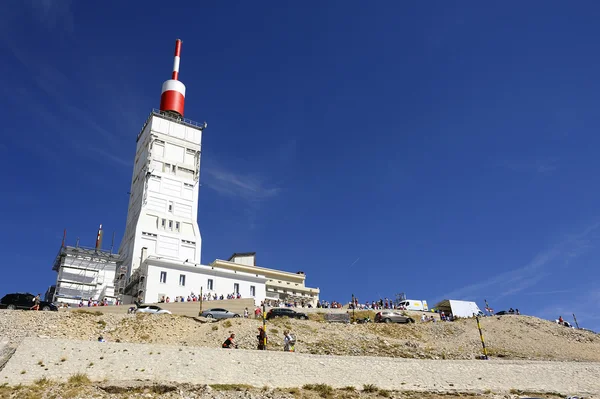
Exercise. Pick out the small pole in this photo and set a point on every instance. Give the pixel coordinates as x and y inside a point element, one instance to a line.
<point>200,313</point>
<point>575,318</point>
<point>264,312</point>
<point>112,244</point>
<point>485,355</point>
<point>353,315</point>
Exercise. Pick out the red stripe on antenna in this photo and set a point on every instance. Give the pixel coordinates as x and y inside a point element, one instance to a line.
<point>178,48</point>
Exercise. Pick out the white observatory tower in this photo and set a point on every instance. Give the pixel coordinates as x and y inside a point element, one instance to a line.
<point>163,205</point>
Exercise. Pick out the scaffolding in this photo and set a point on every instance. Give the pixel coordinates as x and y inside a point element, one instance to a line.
<point>84,273</point>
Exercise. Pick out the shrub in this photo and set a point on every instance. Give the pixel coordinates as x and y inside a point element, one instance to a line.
<point>231,387</point>
<point>227,323</point>
<point>323,390</point>
<point>370,388</point>
<point>79,379</point>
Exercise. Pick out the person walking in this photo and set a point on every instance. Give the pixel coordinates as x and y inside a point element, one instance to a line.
<point>246,313</point>
<point>36,303</point>
<point>289,342</point>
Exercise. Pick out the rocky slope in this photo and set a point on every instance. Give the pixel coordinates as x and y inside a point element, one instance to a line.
<point>510,337</point>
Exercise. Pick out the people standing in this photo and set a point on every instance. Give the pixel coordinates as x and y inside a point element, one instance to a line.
<point>246,313</point>
<point>289,342</point>
<point>36,302</point>
<point>262,339</point>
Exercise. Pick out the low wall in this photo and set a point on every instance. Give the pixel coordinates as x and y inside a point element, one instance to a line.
<point>190,309</point>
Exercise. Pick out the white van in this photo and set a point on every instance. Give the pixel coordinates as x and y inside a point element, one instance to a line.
<point>412,304</point>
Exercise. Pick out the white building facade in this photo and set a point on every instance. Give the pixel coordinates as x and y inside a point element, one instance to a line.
<point>160,254</point>
<point>84,274</point>
<point>162,279</point>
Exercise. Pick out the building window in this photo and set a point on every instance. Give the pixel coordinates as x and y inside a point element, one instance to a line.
<point>163,223</point>
<point>163,277</point>
<point>236,288</point>
<point>171,225</point>
<point>167,167</point>
<point>210,284</point>
<point>173,169</point>
<point>177,227</point>
<point>170,206</point>
<point>252,290</point>
<point>182,280</point>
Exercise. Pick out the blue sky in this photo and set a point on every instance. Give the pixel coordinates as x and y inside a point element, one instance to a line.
<point>441,150</point>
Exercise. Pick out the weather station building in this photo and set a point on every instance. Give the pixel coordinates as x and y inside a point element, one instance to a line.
<point>160,254</point>
<point>83,273</point>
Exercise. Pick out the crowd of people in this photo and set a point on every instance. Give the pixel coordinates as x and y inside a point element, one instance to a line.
<point>205,297</point>
<point>289,341</point>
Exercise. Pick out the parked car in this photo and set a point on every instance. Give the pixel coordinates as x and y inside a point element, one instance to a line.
<point>285,312</point>
<point>218,313</point>
<point>389,316</point>
<point>153,309</point>
<point>504,313</point>
<point>24,301</point>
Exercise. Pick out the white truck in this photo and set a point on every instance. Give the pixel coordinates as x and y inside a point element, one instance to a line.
<point>459,308</point>
<point>413,304</point>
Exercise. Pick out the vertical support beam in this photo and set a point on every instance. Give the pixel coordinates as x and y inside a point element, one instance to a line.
<point>575,318</point>
<point>200,312</point>
<point>264,313</point>
<point>485,355</point>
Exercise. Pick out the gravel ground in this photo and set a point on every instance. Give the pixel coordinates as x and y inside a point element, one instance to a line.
<point>58,359</point>
<point>507,337</point>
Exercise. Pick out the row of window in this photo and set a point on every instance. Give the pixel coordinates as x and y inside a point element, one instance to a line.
<point>169,225</point>
<point>172,169</point>
<point>210,284</point>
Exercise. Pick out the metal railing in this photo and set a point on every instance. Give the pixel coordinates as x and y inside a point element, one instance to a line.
<point>162,114</point>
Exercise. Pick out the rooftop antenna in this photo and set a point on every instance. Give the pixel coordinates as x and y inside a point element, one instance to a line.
<point>172,97</point>
<point>77,243</point>
<point>62,245</point>
<point>112,244</point>
<point>99,239</point>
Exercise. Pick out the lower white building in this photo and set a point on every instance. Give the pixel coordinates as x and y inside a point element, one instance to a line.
<point>158,278</point>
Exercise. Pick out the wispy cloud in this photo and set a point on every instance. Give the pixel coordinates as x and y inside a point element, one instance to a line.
<point>532,166</point>
<point>60,109</point>
<point>517,280</point>
<point>550,292</point>
<point>249,187</point>
<point>53,14</point>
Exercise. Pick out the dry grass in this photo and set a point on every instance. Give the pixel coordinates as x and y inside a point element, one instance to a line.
<point>323,390</point>
<point>91,312</point>
<point>231,387</point>
<point>79,379</point>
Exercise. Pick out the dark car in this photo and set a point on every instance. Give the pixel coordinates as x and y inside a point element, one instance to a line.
<point>24,301</point>
<point>285,312</point>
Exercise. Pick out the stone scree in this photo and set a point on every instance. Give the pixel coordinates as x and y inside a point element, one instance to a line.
<point>58,359</point>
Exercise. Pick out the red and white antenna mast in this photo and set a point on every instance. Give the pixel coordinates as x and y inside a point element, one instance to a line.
<point>172,98</point>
